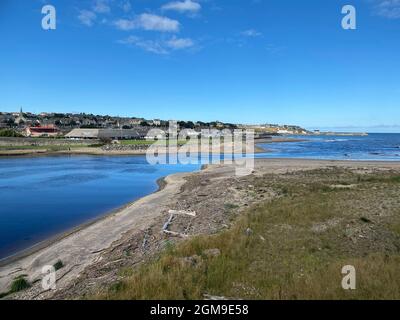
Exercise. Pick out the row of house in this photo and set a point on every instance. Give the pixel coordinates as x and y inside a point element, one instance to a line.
<point>68,121</point>
<point>276,129</point>
<point>112,134</point>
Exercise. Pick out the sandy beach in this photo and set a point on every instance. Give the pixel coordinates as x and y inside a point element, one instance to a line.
<point>92,255</point>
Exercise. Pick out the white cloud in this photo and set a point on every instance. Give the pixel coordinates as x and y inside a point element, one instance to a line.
<point>153,22</point>
<point>101,6</point>
<point>149,22</point>
<point>87,17</point>
<point>147,45</point>
<point>182,6</point>
<point>126,6</point>
<point>125,24</point>
<point>251,33</point>
<point>159,46</point>
<point>388,8</point>
<point>179,43</point>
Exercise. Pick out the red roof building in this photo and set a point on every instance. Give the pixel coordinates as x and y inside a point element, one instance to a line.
<point>45,131</point>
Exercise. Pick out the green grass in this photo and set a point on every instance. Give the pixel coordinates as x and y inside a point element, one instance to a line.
<point>283,258</point>
<point>149,142</point>
<point>9,133</point>
<point>47,147</point>
<point>230,206</point>
<point>395,227</point>
<point>21,147</point>
<point>18,284</point>
<point>382,178</point>
<point>58,265</point>
<point>136,142</point>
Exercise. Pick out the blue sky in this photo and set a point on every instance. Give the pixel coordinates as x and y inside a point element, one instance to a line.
<point>242,61</point>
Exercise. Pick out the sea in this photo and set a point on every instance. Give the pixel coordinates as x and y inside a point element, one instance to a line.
<point>375,146</point>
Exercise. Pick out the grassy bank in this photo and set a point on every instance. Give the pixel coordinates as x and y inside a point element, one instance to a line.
<point>149,142</point>
<point>60,147</point>
<point>291,248</point>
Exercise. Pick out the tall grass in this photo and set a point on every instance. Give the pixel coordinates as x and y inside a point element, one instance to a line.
<point>282,258</point>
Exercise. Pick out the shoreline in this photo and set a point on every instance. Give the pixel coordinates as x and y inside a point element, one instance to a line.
<point>99,151</point>
<point>80,247</point>
<point>161,184</point>
<point>34,153</point>
<point>24,259</point>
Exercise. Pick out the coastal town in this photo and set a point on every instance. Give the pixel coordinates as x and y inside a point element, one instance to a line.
<point>89,126</point>
<point>199,158</point>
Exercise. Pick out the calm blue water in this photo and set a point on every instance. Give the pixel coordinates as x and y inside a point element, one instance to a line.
<point>43,196</point>
<point>378,146</point>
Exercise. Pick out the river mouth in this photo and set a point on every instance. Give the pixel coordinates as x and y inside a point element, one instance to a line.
<point>42,197</point>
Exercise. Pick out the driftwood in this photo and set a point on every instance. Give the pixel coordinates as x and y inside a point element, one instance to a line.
<point>172,213</point>
<point>176,234</point>
<point>182,212</point>
<point>166,224</point>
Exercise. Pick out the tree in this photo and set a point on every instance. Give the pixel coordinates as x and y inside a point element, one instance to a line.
<point>9,133</point>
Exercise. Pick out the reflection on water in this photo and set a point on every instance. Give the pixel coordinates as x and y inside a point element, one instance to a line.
<point>43,196</point>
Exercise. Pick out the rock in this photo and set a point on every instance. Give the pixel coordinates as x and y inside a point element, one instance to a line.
<point>216,298</point>
<point>193,261</point>
<point>212,253</point>
<point>365,220</point>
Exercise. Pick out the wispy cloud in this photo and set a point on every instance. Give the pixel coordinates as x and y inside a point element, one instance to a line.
<point>159,46</point>
<point>387,8</point>
<point>153,22</point>
<point>274,49</point>
<point>119,14</point>
<point>125,24</point>
<point>251,33</point>
<point>147,45</point>
<point>126,6</point>
<point>102,6</point>
<point>179,43</point>
<point>87,17</point>
<point>149,22</point>
<point>183,6</point>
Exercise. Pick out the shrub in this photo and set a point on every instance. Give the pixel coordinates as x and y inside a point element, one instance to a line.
<point>9,133</point>
<point>58,265</point>
<point>19,284</point>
